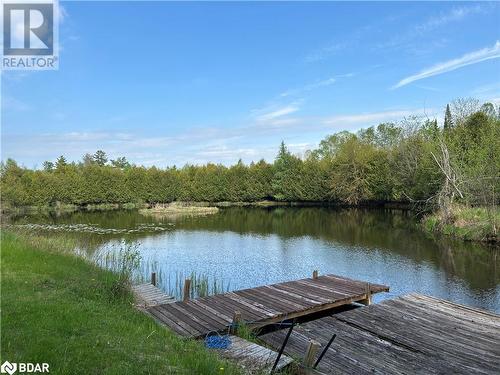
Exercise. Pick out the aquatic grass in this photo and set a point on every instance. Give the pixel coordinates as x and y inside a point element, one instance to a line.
<point>468,223</point>
<point>125,255</point>
<point>56,308</point>
<point>202,285</point>
<point>88,228</point>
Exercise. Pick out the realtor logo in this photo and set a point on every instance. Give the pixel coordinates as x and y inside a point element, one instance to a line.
<point>8,367</point>
<point>23,367</point>
<point>30,34</point>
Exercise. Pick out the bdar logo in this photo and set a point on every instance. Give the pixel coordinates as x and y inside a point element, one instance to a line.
<point>8,367</point>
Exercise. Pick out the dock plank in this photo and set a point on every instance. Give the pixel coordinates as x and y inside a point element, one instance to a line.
<point>147,295</point>
<point>412,334</point>
<point>253,358</point>
<point>263,305</point>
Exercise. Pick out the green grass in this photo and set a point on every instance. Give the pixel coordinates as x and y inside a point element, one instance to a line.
<point>60,309</point>
<point>469,223</point>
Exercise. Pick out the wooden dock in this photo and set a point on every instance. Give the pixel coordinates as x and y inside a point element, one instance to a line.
<point>413,334</point>
<point>147,295</point>
<point>260,306</point>
<point>253,358</point>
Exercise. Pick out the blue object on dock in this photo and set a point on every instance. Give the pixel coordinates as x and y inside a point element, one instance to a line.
<point>217,342</point>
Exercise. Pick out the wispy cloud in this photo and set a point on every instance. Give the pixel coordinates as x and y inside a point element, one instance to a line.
<point>359,120</point>
<point>341,43</point>
<point>324,52</point>
<point>487,90</point>
<point>453,15</point>
<point>315,85</point>
<point>249,141</point>
<point>429,26</point>
<point>447,66</point>
<point>275,112</point>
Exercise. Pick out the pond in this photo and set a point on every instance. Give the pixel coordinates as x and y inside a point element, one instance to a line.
<point>246,247</point>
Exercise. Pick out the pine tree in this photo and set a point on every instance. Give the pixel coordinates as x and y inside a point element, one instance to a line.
<point>61,162</point>
<point>448,122</point>
<point>100,158</point>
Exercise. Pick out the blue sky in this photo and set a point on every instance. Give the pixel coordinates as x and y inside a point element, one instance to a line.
<point>172,83</point>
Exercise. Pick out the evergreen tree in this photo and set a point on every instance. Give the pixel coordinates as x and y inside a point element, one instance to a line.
<point>387,162</point>
<point>120,162</point>
<point>448,122</point>
<point>61,162</point>
<point>100,158</point>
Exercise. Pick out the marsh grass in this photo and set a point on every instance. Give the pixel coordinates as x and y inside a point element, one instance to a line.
<point>201,285</point>
<point>62,309</point>
<point>467,223</point>
<point>124,259</point>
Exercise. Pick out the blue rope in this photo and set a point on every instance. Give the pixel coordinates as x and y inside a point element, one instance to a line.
<point>217,342</point>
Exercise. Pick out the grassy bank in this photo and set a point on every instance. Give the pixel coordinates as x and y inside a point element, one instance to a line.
<point>175,209</point>
<point>60,309</point>
<point>468,223</point>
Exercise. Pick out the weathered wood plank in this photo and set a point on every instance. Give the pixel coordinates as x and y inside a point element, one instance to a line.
<point>149,295</point>
<point>253,358</point>
<point>409,335</point>
<point>264,305</point>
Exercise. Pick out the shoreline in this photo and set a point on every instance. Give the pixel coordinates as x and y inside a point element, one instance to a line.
<point>472,224</point>
<point>67,207</point>
<point>474,231</point>
<point>91,313</point>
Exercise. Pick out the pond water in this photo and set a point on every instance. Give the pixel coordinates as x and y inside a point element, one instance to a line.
<point>247,247</point>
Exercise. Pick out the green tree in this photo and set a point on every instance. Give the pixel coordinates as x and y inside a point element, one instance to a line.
<point>48,166</point>
<point>286,175</point>
<point>100,158</point>
<point>61,162</point>
<point>489,110</point>
<point>88,159</point>
<point>448,122</point>
<point>120,162</point>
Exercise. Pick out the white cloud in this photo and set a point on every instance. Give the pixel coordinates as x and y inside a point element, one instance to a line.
<point>267,115</point>
<point>411,40</point>
<point>475,57</point>
<point>357,121</point>
<point>250,141</point>
<point>317,84</point>
<point>323,83</point>
<point>487,93</point>
<point>454,15</point>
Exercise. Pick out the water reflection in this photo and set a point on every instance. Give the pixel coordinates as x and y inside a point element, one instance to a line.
<point>245,247</point>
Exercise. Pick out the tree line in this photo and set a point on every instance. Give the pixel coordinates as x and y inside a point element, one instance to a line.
<point>414,160</point>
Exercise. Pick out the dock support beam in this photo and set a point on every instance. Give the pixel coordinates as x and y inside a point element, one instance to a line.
<point>311,351</point>
<point>187,290</point>
<point>236,322</point>
<point>368,300</point>
<point>315,274</point>
<point>153,278</point>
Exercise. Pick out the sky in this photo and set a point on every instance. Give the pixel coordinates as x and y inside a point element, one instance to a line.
<point>169,83</point>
